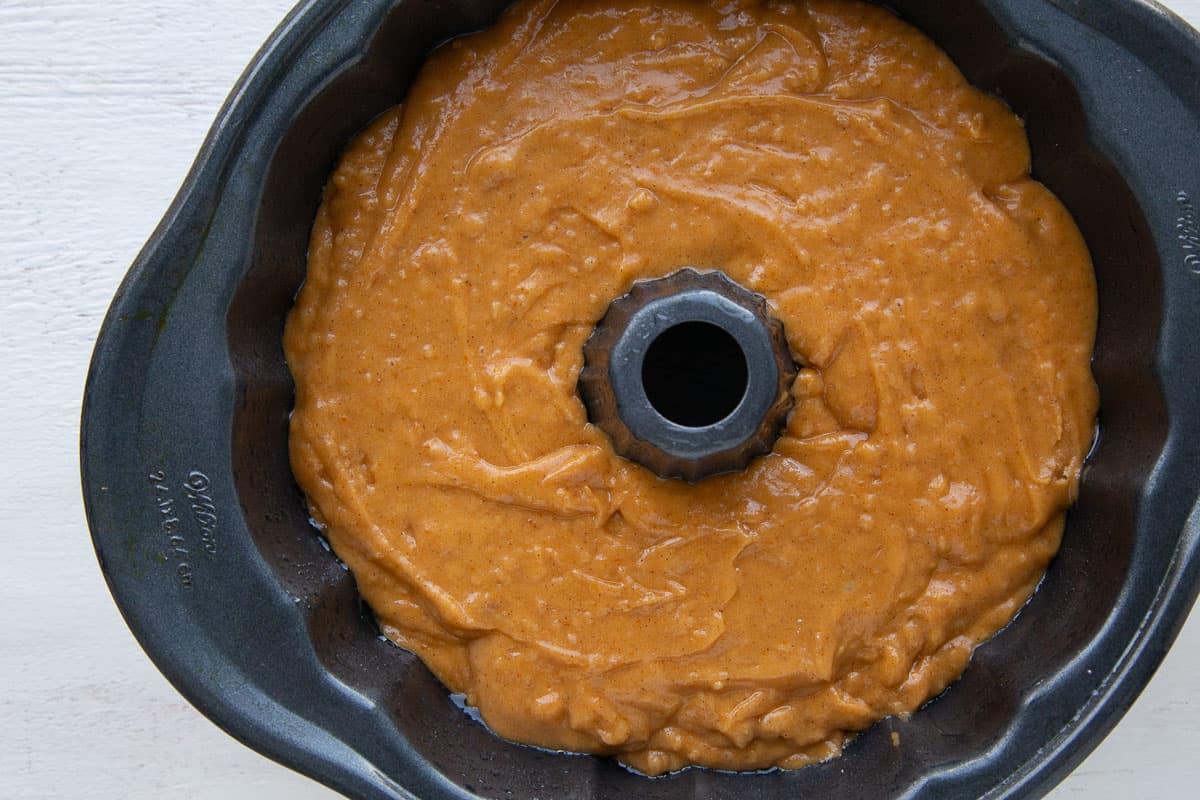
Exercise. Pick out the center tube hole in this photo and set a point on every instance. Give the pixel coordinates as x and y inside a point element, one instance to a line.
<point>695,374</point>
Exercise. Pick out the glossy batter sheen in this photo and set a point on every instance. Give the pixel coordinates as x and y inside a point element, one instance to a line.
<point>822,154</point>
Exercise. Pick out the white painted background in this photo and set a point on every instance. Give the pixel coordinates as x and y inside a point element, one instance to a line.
<point>102,107</point>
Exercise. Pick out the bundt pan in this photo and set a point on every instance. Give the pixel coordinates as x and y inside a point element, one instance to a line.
<point>203,537</point>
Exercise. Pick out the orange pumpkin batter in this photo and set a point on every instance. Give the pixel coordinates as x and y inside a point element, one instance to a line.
<point>822,154</point>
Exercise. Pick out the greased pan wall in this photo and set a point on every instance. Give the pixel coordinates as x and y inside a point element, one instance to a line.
<point>203,537</point>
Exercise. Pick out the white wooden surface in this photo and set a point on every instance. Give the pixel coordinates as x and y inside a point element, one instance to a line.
<point>102,107</point>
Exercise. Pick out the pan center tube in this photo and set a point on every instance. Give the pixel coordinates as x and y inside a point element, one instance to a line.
<point>689,375</point>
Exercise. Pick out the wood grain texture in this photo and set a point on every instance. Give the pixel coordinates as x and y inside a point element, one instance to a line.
<point>102,108</point>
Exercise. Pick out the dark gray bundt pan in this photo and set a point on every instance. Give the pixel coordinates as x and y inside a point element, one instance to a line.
<point>202,533</point>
